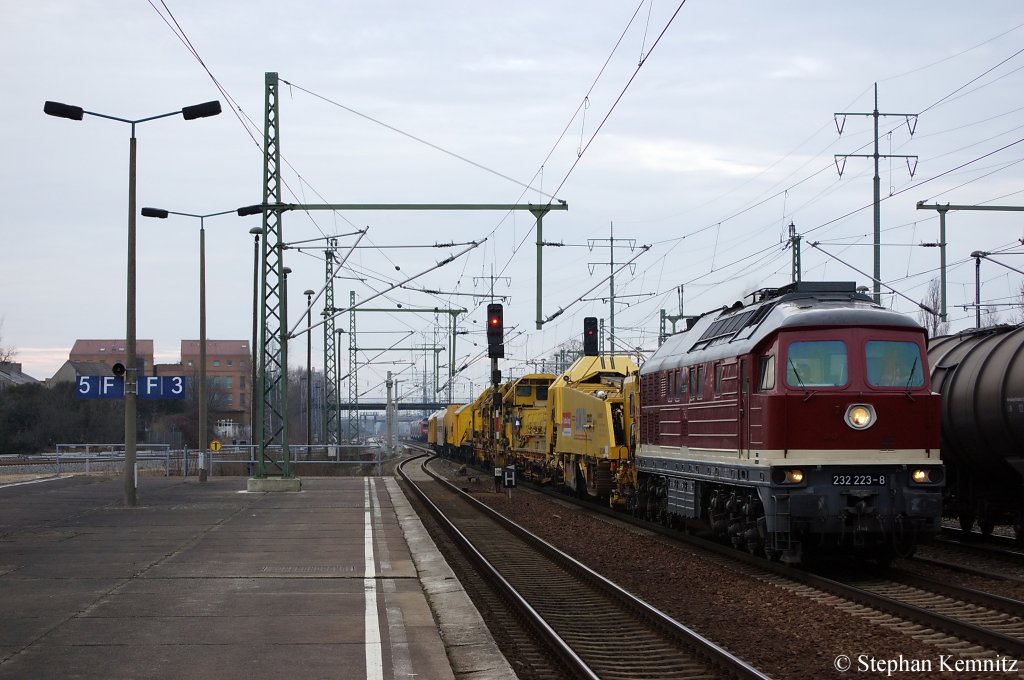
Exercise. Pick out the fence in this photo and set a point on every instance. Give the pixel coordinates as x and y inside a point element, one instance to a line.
<point>232,460</point>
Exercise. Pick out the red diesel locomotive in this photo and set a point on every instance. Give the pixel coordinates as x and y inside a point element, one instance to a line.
<point>801,422</point>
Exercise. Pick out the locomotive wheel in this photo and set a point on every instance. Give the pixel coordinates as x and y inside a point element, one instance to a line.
<point>966,518</point>
<point>885,556</point>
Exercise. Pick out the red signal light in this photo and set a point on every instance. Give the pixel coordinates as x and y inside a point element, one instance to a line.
<point>495,331</point>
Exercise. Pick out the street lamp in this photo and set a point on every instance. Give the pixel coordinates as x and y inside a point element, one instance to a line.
<point>337,380</point>
<point>162,214</point>
<point>256,232</point>
<point>59,110</point>
<point>309,293</point>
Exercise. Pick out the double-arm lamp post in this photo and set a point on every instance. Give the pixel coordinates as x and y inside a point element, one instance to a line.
<point>203,433</point>
<point>59,110</point>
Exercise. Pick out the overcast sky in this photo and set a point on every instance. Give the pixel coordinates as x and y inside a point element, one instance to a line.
<point>701,130</point>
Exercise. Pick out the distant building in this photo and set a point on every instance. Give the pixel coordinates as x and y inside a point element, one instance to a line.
<point>113,352</point>
<point>70,370</point>
<point>11,375</point>
<point>228,372</point>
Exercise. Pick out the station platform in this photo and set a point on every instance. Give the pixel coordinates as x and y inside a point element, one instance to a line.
<point>208,580</point>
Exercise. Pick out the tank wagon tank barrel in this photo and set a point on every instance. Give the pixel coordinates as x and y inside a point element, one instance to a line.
<point>980,374</point>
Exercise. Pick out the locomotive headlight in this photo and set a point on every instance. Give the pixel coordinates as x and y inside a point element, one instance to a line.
<point>860,416</point>
<point>929,475</point>
<point>787,475</point>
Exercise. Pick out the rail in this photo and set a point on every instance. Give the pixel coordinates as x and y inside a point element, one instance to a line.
<point>699,647</point>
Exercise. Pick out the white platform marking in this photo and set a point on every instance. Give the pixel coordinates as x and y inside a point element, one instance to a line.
<point>374,656</point>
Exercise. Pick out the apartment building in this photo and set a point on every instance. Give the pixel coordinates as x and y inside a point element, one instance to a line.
<point>228,369</point>
<point>228,373</point>
<point>112,352</point>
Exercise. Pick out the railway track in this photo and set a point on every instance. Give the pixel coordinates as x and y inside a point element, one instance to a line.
<point>996,623</point>
<point>973,557</point>
<point>969,623</point>
<point>596,629</point>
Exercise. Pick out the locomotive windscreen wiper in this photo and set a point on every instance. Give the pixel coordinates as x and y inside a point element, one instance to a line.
<point>911,376</point>
<point>796,373</point>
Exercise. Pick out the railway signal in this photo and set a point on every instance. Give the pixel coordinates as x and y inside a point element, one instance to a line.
<point>590,336</point>
<point>495,331</point>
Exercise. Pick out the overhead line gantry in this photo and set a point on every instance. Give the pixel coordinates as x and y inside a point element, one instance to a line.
<point>272,425</point>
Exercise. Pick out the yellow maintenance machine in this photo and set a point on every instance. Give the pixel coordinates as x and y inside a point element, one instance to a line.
<point>589,426</point>
<point>525,419</point>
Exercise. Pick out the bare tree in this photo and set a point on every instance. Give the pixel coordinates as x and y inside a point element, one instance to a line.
<point>990,316</point>
<point>933,300</point>
<point>7,354</point>
<point>1019,316</point>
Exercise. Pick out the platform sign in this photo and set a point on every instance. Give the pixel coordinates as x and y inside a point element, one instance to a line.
<point>112,387</point>
<point>100,387</point>
<point>162,387</point>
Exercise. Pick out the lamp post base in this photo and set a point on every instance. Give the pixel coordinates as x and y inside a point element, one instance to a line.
<point>258,484</point>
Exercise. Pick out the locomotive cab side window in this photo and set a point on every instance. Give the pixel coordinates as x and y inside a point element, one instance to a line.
<point>893,363</point>
<point>816,363</point>
<point>766,374</point>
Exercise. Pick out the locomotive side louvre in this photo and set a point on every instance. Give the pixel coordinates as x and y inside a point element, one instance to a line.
<point>803,418</point>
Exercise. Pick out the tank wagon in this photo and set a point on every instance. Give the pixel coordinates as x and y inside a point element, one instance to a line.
<point>802,421</point>
<point>980,374</point>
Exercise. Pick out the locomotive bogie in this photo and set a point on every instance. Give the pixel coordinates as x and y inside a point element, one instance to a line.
<point>784,510</point>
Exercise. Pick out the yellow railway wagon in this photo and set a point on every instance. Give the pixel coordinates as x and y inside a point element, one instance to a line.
<point>448,430</point>
<point>525,419</point>
<point>460,441</point>
<point>588,423</point>
<point>435,430</point>
<point>483,427</point>
<point>624,471</point>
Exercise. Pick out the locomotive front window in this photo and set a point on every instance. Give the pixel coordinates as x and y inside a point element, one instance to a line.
<point>820,363</point>
<point>893,364</point>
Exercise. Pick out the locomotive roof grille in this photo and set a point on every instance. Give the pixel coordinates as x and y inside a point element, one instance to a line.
<point>724,330</point>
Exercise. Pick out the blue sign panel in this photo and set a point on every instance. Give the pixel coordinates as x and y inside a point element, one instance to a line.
<point>149,387</point>
<point>100,387</point>
<point>162,387</point>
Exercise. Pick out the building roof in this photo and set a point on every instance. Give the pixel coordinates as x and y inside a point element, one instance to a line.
<point>91,367</point>
<point>10,374</point>
<point>222,347</point>
<point>115,346</point>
